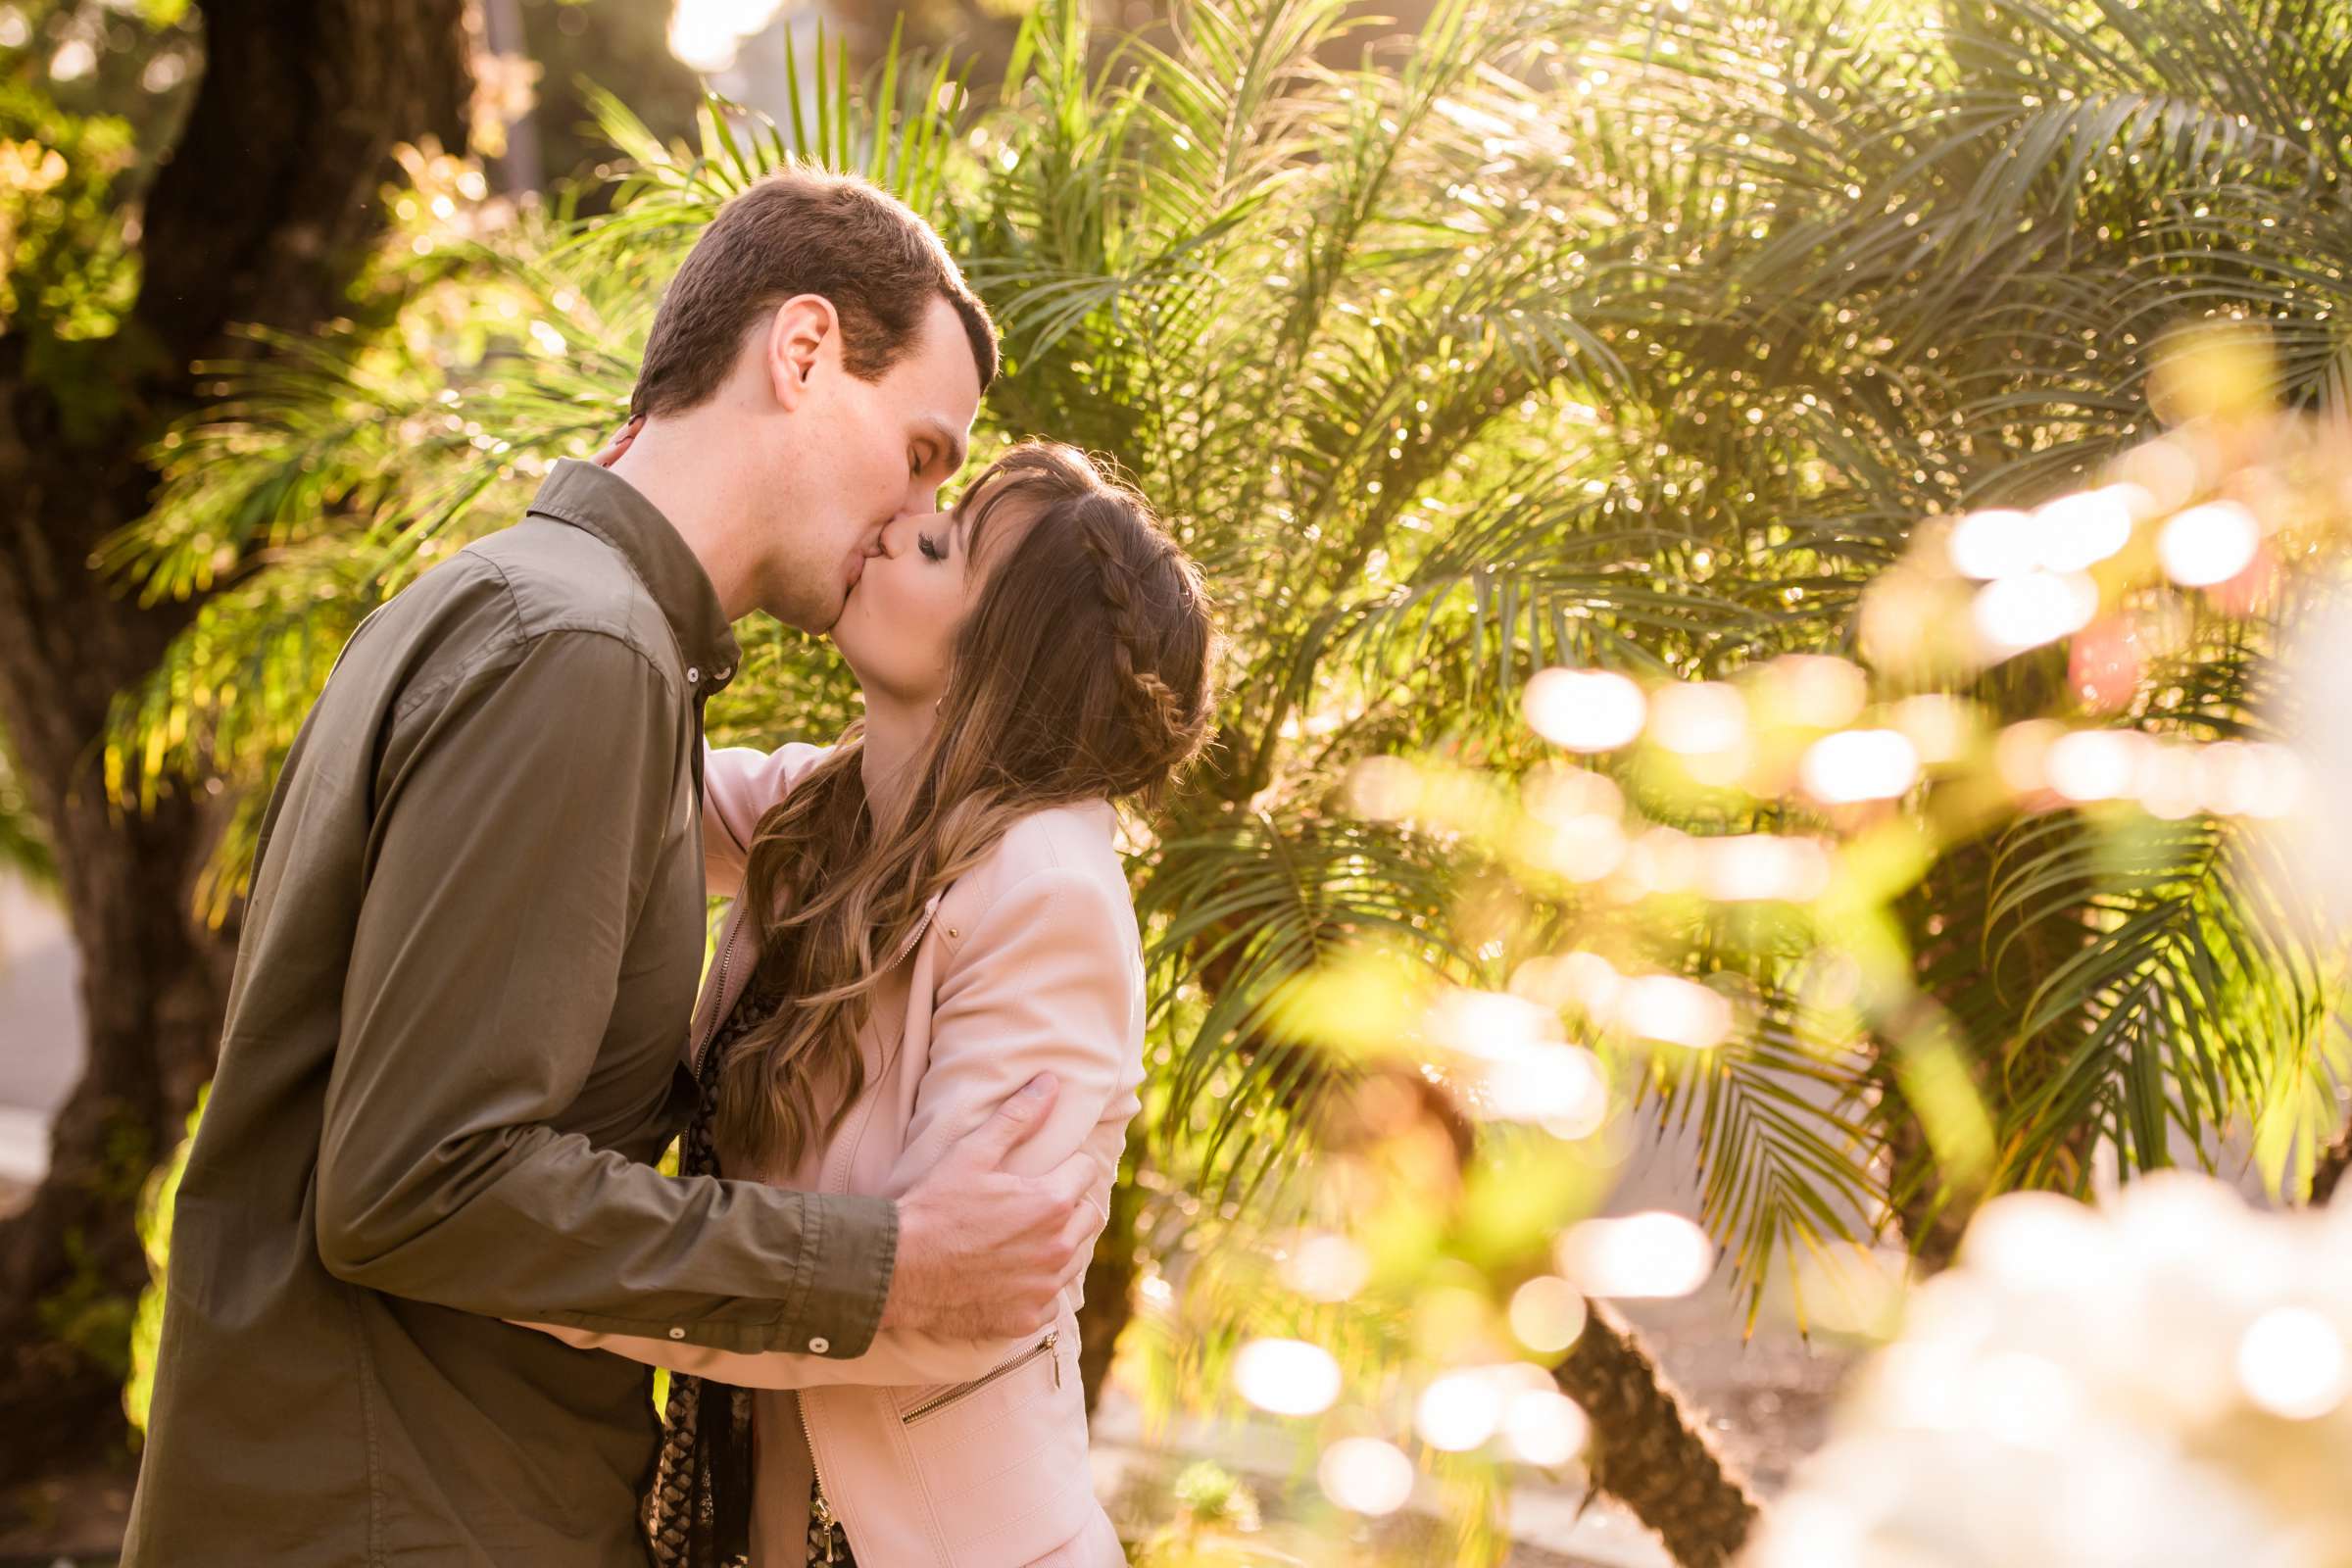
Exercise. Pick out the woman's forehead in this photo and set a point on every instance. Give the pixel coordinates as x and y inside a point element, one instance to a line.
<point>989,520</point>
<point>992,482</point>
<point>1010,495</point>
<point>991,499</point>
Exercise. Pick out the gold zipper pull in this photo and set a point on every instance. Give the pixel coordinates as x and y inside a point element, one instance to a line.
<point>824,1523</point>
<point>1052,1340</point>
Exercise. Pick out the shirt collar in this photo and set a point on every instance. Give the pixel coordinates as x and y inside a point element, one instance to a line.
<point>617,511</point>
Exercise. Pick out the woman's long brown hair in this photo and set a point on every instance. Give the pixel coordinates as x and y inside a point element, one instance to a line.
<point>1084,673</point>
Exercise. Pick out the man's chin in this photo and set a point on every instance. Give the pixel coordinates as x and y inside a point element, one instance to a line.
<point>816,620</point>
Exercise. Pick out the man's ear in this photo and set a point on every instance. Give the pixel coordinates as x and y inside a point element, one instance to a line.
<point>801,333</point>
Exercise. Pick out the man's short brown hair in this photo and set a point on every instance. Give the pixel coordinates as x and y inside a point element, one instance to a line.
<point>804,231</point>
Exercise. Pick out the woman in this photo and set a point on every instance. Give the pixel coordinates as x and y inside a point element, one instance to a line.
<point>928,913</point>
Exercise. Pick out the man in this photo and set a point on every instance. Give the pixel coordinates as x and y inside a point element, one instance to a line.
<point>452,1049</point>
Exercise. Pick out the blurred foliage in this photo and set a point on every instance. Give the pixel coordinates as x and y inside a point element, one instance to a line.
<point>23,843</point>
<point>134,61</point>
<point>1629,337</point>
<point>89,96</point>
<point>156,1203</point>
<point>69,273</point>
<point>1215,1520</point>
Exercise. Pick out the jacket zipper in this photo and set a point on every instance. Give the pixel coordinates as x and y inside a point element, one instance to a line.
<point>825,1517</point>
<point>726,954</point>
<point>823,1501</point>
<point>964,1391</point>
<point>914,932</point>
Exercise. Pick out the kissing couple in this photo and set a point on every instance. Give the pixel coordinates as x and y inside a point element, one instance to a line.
<point>423,1260</point>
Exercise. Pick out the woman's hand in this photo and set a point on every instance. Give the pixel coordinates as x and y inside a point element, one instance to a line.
<point>621,443</point>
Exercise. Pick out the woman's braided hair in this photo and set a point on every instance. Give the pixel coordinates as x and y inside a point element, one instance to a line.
<point>1148,584</point>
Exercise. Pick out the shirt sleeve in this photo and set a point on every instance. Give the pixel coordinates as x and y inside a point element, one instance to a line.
<point>518,818</point>
<point>1046,982</point>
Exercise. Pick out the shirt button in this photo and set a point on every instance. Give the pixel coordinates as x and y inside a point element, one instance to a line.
<point>820,1346</point>
<point>694,676</point>
<point>677,1334</point>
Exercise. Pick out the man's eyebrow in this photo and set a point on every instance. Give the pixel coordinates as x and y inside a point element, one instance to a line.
<point>949,438</point>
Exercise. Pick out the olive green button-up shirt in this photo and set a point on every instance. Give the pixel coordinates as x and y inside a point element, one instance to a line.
<point>450,1060</point>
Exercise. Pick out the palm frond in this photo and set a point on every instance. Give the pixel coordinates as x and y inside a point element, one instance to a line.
<point>1785,1161</point>
<point>1239,912</point>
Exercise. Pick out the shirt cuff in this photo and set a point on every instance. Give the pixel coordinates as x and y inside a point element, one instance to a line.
<point>854,1244</point>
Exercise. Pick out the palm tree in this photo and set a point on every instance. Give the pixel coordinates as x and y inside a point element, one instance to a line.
<point>2011,240</point>
<point>1817,284</point>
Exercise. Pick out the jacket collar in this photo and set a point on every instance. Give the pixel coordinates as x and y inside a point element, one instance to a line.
<point>614,510</point>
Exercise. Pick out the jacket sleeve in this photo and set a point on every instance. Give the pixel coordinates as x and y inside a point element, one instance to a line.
<point>1048,981</point>
<point>521,810</point>
<point>740,784</point>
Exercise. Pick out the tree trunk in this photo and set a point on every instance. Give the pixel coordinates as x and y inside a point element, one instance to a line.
<point>1930,1234</point>
<point>70,1265</point>
<point>1109,1287</point>
<point>1647,1452</point>
<point>262,213</point>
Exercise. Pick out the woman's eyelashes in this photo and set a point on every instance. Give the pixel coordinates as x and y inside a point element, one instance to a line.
<point>929,547</point>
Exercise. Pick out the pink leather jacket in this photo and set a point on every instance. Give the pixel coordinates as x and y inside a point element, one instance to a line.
<point>971,1454</point>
